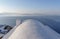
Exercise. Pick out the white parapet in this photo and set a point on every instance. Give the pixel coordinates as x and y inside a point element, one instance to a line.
<point>18,22</point>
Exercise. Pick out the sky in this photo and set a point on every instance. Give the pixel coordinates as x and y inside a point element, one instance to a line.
<point>30,6</point>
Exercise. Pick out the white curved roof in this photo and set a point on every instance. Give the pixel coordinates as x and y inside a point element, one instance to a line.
<point>33,29</point>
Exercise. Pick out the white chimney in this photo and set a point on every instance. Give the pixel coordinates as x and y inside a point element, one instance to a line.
<point>18,22</point>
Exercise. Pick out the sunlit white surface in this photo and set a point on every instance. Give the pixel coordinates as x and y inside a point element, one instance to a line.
<point>33,29</point>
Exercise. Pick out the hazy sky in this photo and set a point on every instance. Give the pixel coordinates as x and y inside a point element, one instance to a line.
<point>30,6</point>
